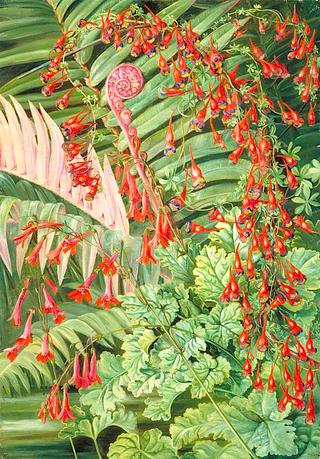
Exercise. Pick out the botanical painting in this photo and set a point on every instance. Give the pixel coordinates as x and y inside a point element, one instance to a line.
<point>159,229</point>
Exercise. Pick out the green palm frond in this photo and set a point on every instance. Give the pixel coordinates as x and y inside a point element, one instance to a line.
<point>26,374</point>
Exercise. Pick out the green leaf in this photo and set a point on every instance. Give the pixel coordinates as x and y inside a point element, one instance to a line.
<point>160,407</point>
<point>154,306</point>
<point>222,324</point>
<point>192,426</point>
<point>210,372</point>
<point>308,438</point>
<point>260,424</point>
<point>92,428</point>
<point>207,449</point>
<point>151,444</point>
<point>136,347</point>
<point>211,272</point>
<point>180,264</point>
<point>190,344</point>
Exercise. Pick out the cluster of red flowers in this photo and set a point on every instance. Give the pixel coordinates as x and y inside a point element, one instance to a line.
<point>279,279</point>
<point>240,104</point>
<point>85,378</point>
<point>76,128</point>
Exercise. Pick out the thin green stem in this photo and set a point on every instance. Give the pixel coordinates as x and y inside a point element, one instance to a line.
<point>97,448</point>
<point>73,449</point>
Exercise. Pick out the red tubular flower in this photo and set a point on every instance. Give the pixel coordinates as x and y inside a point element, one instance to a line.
<point>277,301</point>
<point>297,403</point>
<point>279,246</point>
<point>21,238</point>
<point>146,252</point>
<point>297,382</point>
<point>49,89</point>
<point>286,374</point>
<point>247,367</point>
<point>135,50</point>
<point>265,244</point>
<point>291,179</point>
<point>63,102</point>
<point>294,327</point>
<point>285,217</point>
<point>163,65</point>
<point>255,244</point>
<point>301,351</point>
<point>301,223</point>
<point>50,284</point>
<point>285,399</point>
<point>309,385</point>
<point>234,288</point>
<point>250,270</point>
<point>272,386</point>
<point>76,376</point>
<point>107,265</point>
<point>85,381</point>
<point>302,74</point>
<point>71,244</point>
<point>169,148</point>
<point>26,337</point>
<point>54,255</point>
<point>244,339</point>
<point>262,342</point>
<point>51,307</point>
<point>32,258</point>
<point>148,49</point>
<point>54,64</point>
<point>245,303</point>
<point>82,292</point>
<point>311,411</point>
<point>285,350</point>
<point>45,353</point>
<point>309,343</point>
<point>235,155</point>
<point>53,403</point>
<point>311,116</point>
<point>66,413</point>
<point>264,289</point>
<point>178,202</point>
<point>192,227</point>
<point>106,28</point>
<point>13,351</point>
<point>108,299</point>
<point>93,374</point>
<point>160,23</point>
<point>238,268</point>
<point>43,413</point>
<point>16,313</point>
<point>258,383</point>
<point>256,51</point>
